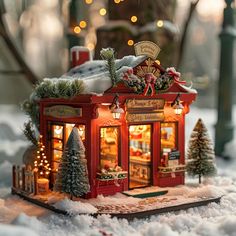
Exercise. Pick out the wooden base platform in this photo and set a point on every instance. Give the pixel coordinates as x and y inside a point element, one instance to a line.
<point>128,216</point>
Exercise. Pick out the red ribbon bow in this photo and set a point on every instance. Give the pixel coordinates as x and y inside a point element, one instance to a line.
<point>176,75</point>
<point>150,80</point>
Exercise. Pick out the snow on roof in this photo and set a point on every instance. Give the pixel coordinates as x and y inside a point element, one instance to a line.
<point>189,89</point>
<point>96,67</point>
<point>95,73</point>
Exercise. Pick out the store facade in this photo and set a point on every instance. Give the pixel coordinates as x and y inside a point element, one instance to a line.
<point>144,147</point>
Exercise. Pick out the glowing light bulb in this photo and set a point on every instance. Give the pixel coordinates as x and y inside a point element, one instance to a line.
<point>134,19</point>
<point>102,11</point>
<point>77,30</point>
<point>130,42</point>
<point>88,1</point>
<point>90,46</point>
<point>160,23</point>
<point>117,1</point>
<point>82,24</point>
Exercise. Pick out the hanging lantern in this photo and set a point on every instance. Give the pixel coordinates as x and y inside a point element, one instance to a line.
<point>116,110</point>
<point>177,106</point>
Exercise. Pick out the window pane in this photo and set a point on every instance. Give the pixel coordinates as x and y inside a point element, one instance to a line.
<point>57,144</point>
<point>109,147</point>
<point>57,131</point>
<point>81,131</point>
<point>168,136</point>
<point>68,130</point>
<point>56,155</point>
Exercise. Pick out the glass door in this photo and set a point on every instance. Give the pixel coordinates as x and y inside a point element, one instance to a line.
<point>139,156</point>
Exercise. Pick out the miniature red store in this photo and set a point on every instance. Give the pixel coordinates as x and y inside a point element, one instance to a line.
<point>131,119</point>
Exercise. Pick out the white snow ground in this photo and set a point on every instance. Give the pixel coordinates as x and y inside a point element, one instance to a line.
<point>18,217</point>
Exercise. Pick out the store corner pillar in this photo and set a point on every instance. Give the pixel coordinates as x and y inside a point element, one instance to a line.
<point>224,126</point>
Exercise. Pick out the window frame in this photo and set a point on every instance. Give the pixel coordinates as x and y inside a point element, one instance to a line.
<point>118,148</point>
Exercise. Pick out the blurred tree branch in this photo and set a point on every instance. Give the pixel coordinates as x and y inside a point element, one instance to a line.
<point>30,76</point>
<point>180,50</point>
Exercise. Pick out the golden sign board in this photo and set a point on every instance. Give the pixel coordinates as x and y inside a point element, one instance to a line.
<point>145,117</point>
<point>147,48</point>
<point>150,104</point>
<point>60,111</point>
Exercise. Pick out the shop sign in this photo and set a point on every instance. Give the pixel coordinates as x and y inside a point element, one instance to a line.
<point>174,155</point>
<point>147,48</point>
<point>150,104</point>
<point>145,117</point>
<point>60,111</point>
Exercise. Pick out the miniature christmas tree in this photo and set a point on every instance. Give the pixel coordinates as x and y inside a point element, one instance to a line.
<point>41,164</point>
<point>201,156</point>
<point>72,176</point>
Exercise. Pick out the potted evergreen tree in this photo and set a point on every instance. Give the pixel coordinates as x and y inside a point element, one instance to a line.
<point>72,176</point>
<point>200,154</point>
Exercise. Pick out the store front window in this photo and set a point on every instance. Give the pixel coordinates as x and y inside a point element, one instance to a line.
<point>168,135</point>
<point>109,147</point>
<point>60,134</point>
<point>169,144</point>
<point>139,156</point>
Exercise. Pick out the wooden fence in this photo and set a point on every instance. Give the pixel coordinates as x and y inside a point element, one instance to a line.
<point>24,179</point>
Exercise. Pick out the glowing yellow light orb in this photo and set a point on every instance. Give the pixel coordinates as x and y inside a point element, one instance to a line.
<point>130,42</point>
<point>102,11</point>
<point>117,1</point>
<point>134,19</point>
<point>90,46</point>
<point>160,23</point>
<point>77,29</point>
<point>82,24</point>
<point>88,1</point>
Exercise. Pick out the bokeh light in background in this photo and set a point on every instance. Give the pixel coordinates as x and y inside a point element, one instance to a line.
<point>130,42</point>
<point>211,10</point>
<point>44,28</point>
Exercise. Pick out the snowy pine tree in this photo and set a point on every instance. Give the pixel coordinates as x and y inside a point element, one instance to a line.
<point>72,176</point>
<point>200,154</point>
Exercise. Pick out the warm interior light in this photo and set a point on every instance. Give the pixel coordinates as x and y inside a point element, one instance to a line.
<point>105,103</point>
<point>58,130</point>
<point>117,1</point>
<point>81,130</point>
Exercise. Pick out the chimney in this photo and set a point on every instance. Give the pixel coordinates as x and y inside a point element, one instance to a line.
<point>79,55</point>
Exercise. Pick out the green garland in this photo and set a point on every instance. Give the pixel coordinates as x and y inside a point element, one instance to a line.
<point>29,133</point>
<point>51,88</point>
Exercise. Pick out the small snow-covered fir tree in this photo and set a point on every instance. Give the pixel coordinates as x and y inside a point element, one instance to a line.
<point>200,154</point>
<point>72,176</point>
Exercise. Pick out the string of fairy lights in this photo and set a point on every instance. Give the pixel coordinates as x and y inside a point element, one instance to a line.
<point>41,163</point>
<point>102,12</point>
